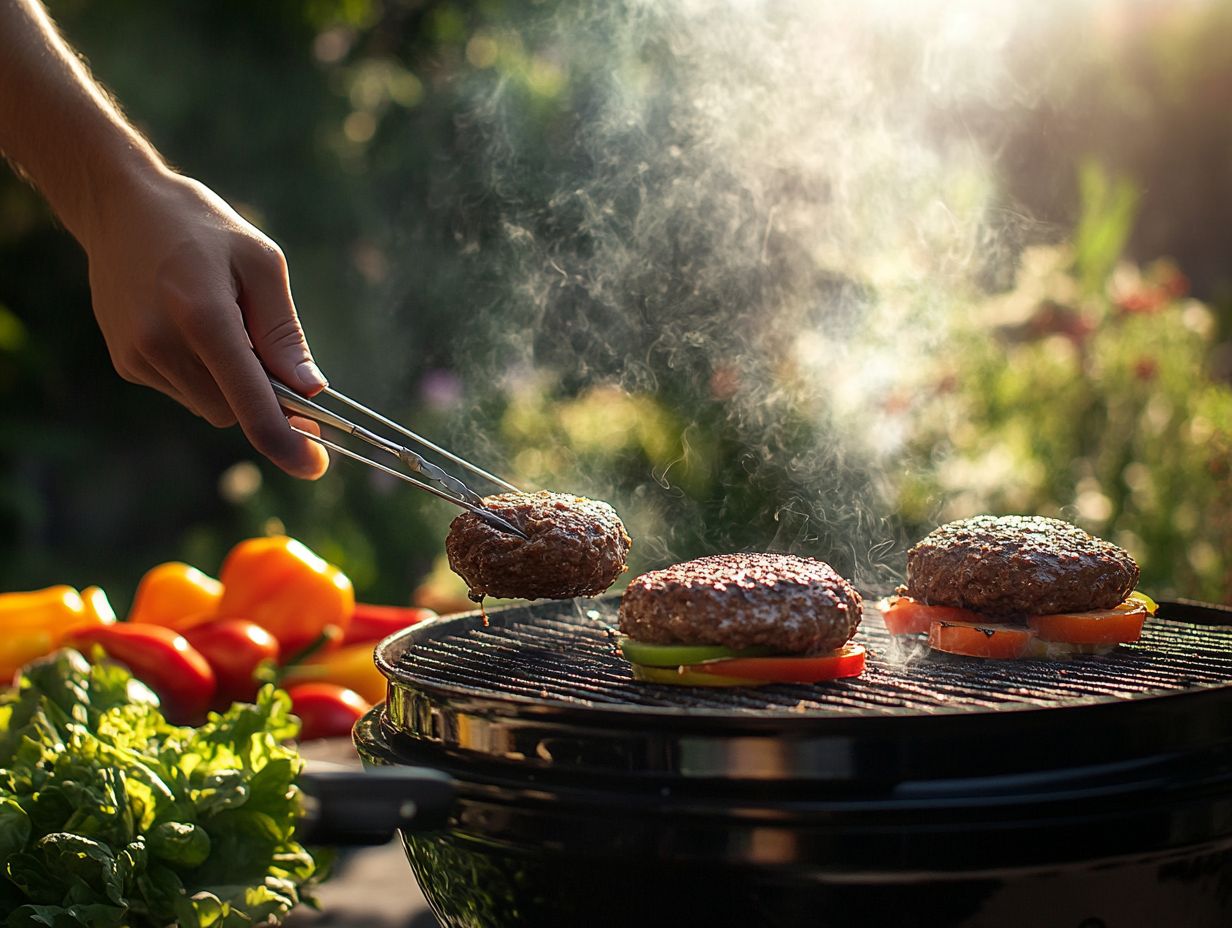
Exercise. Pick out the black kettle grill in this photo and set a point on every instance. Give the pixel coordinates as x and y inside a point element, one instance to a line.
<point>931,791</point>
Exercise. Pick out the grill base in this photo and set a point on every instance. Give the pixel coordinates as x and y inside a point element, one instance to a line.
<point>526,853</point>
<point>849,831</point>
<point>931,792</point>
<point>469,884</point>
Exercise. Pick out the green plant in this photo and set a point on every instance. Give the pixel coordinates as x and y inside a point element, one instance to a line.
<point>1086,393</point>
<point>110,816</point>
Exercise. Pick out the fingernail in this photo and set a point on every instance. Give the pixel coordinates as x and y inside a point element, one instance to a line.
<point>309,375</point>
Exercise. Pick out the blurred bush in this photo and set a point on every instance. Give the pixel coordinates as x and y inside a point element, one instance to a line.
<point>347,129</point>
<point>1086,392</point>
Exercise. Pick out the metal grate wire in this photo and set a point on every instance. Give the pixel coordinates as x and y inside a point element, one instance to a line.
<point>566,654</point>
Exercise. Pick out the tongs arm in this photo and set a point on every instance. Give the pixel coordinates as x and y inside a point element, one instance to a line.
<point>402,430</point>
<point>302,406</point>
<point>459,493</point>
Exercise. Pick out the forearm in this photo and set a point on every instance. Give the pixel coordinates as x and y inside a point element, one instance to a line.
<point>58,126</point>
<point>191,299</point>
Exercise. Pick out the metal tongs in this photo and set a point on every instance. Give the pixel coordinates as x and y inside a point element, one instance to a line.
<point>448,486</point>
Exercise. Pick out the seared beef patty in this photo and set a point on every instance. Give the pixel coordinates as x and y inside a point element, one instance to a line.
<point>794,604</point>
<point>1018,565</point>
<point>577,547</point>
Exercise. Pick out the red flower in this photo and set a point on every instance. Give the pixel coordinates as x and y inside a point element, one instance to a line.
<point>1145,369</point>
<point>1144,301</point>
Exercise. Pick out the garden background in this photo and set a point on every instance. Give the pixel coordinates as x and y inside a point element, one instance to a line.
<point>763,275</point>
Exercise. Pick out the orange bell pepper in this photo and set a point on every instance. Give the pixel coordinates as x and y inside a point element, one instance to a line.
<point>98,609</point>
<point>35,623</point>
<point>288,590</point>
<point>175,595</point>
<point>350,666</point>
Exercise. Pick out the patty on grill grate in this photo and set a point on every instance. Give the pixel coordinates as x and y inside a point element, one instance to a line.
<point>1016,565</point>
<point>577,547</point>
<point>564,655</point>
<point>794,604</point>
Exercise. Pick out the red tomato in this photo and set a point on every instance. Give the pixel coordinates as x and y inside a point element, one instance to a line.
<point>326,710</point>
<point>235,649</point>
<point>1103,626</point>
<point>847,661</point>
<point>907,616</point>
<point>975,639</point>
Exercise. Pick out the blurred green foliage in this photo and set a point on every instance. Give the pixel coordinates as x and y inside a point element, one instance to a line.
<point>1107,219</point>
<point>346,129</point>
<point>1086,392</point>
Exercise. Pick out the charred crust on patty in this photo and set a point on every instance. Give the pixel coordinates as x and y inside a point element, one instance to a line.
<point>575,547</point>
<point>1018,565</point>
<point>794,604</point>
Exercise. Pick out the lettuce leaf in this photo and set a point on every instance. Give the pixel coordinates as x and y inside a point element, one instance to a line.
<point>110,815</point>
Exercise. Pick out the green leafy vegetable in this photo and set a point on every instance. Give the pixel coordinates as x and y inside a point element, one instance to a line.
<point>110,816</point>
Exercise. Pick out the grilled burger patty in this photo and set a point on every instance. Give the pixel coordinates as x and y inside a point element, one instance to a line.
<point>577,547</point>
<point>1018,565</point>
<point>793,604</point>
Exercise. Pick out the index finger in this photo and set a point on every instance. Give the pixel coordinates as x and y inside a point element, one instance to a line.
<point>225,350</point>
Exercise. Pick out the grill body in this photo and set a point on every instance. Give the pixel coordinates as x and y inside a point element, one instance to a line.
<point>933,791</point>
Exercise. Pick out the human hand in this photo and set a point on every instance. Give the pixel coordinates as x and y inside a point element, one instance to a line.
<point>193,300</point>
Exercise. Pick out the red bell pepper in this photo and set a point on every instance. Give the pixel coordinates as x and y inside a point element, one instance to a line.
<point>162,659</point>
<point>372,623</point>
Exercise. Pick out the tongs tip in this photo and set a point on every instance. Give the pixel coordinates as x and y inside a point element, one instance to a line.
<point>498,522</point>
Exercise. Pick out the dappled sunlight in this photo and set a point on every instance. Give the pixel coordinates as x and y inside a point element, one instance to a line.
<point>791,276</point>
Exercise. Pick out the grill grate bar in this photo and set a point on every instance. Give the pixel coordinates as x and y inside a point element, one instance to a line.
<point>498,665</point>
<point>569,656</point>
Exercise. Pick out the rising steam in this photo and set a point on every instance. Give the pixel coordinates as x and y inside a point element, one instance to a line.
<point>757,210</point>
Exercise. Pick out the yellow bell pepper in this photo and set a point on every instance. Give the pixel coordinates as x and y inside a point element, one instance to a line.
<point>35,623</point>
<point>97,606</point>
<point>350,666</point>
<point>1147,603</point>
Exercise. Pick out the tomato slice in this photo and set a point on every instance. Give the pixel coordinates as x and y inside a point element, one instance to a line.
<point>906,616</point>
<point>682,676</point>
<point>847,661</point>
<point>980,639</point>
<point>1103,626</point>
<point>675,655</point>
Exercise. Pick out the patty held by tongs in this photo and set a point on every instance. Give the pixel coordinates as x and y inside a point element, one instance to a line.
<point>576,547</point>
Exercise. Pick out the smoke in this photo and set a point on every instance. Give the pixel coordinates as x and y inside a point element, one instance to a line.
<point>762,214</point>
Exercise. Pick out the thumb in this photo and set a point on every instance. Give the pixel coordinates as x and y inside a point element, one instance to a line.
<point>273,326</point>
